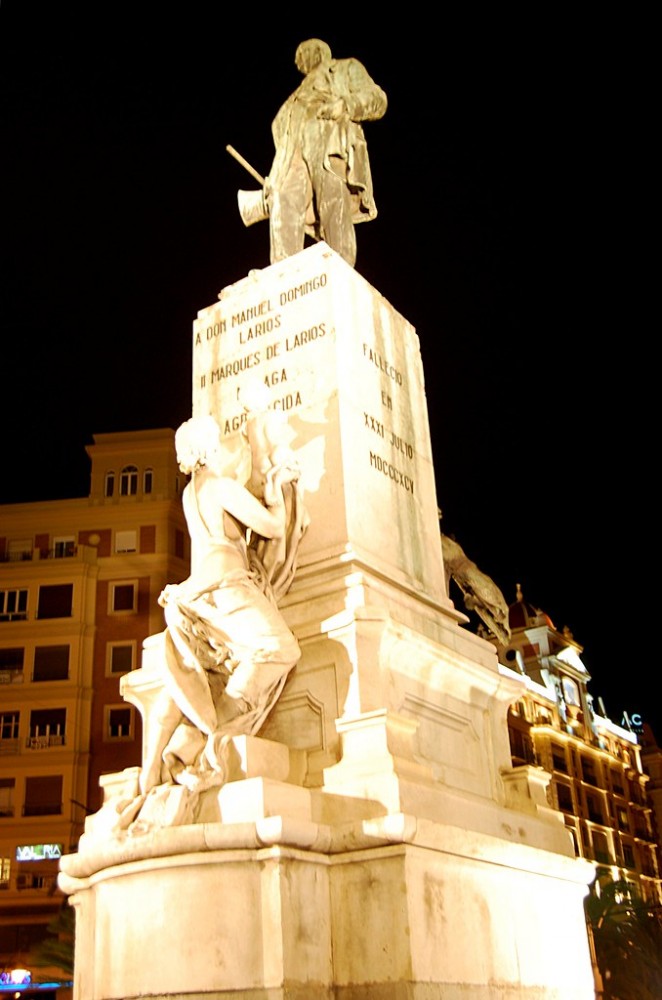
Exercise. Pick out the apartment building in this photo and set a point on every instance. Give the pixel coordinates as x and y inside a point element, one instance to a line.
<point>79,587</point>
<point>597,778</point>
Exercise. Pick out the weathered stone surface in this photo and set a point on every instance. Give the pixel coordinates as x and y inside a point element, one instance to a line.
<point>386,849</point>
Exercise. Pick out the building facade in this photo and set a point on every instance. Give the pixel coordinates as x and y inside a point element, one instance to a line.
<point>597,778</point>
<point>79,587</point>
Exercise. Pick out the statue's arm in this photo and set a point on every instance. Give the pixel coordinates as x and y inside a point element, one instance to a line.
<point>364,99</point>
<point>237,501</point>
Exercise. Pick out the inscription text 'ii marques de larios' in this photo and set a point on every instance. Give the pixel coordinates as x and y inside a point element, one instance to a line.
<point>282,340</point>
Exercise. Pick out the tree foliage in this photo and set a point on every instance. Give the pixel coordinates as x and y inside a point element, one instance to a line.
<point>627,935</point>
<point>57,948</point>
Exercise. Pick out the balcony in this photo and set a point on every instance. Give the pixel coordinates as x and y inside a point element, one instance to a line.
<point>68,551</point>
<point>524,754</point>
<point>13,676</point>
<point>43,883</point>
<point>42,809</point>
<point>603,858</point>
<point>8,747</point>
<point>11,557</point>
<point>45,742</point>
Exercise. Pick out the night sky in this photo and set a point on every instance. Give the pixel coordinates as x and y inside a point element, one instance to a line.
<point>513,178</point>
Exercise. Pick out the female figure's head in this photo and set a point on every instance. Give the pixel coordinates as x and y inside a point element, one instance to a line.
<point>198,443</point>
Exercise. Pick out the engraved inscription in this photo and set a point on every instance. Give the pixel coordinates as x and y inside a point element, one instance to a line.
<point>392,472</point>
<point>383,365</point>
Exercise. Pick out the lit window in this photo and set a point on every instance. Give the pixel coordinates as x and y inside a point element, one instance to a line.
<point>129,481</point>
<point>148,480</point>
<point>51,663</point>
<point>559,761</point>
<point>11,665</point>
<point>564,795</point>
<point>55,601</point>
<point>617,785</point>
<point>7,786</point>
<point>19,550</point>
<point>121,656</point>
<point>119,722</point>
<point>47,726</point>
<point>594,808</point>
<point>588,772</point>
<point>13,605</point>
<point>126,541</point>
<point>5,869</point>
<point>64,548</point>
<point>123,597</point>
<point>601,848</point>
<point>109,486</point>
<point>570,691</point>
<point>8,728</point>
<point>43,795</point>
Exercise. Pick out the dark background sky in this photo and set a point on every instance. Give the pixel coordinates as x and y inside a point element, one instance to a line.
<point>513,175</point>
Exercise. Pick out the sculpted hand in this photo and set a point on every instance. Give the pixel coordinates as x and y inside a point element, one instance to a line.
<point>168,594</point>
<point>277,477</point>
<point>181,592</point>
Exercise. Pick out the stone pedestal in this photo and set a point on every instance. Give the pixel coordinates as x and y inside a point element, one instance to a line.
<point>374,840</point>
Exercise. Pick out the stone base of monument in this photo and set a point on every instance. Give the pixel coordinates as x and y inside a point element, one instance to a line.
<point>373,841</point>
<point>392,907</point>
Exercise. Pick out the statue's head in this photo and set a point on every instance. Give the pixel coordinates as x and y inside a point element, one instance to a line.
<point>196,442</point>
<point>310,54</point>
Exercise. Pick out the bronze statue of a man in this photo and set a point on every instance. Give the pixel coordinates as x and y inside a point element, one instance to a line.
<point>320,181</point>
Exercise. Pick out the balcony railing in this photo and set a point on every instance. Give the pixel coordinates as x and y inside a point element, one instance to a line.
<point>14,675</point>
<point>10,746</point>
<point>59,552</point>
<point>603,858</point>
<point>44,742</point>
<point>39,809</point>
<point>43,883</point>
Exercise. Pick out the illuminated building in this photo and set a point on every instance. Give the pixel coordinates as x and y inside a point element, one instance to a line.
<point>597,778</point>
<point>651,758</point>
<point>79,587</point>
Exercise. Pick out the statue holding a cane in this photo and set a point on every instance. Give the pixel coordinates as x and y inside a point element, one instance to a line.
<point>320,182</point>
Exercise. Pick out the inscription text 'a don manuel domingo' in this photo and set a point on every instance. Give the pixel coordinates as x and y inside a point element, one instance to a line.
<point>241,333</point>
<point>380,428</point>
